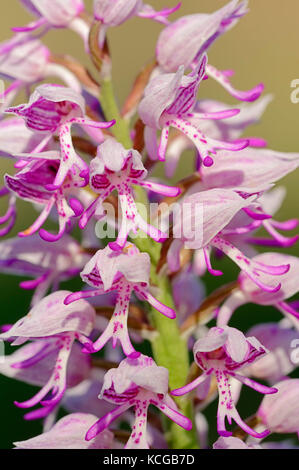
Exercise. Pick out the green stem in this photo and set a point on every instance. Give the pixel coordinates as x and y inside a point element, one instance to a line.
<point>169,348</point>
<point>171,351</point>
<point>120,129</point>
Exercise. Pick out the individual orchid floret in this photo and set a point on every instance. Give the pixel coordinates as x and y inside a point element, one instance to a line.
<point>139,383</point>
<point>62,324</point>
<point>48,265</point>
<point>280,342</point>
<point>184,40</point>
<point>24,60</point>
<point>259,170</point>
<point>35,183</point>
<point>34,362</point>
<point>69,433</point>
<point>53,109</point>
<point>222,352</point>
<point>169,101</point>
<point>280,412</point>
<point>224,130</point>
<point>122,271</point>
<point>249,292</point>
<point>55,14</point>
<point>115,168</point>
<point>202,224</point>
<point>117,12</point>
<point>242,230</point>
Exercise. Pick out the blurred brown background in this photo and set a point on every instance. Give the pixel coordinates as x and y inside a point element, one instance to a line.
<point>262,47</point>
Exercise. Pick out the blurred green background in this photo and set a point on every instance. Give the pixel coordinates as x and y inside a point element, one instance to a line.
<point>262,47</point>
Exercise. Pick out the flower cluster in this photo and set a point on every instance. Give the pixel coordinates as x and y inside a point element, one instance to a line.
<point>83,164</point>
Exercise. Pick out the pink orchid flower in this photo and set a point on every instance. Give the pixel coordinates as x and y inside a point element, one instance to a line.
<point>222,352</point>
<point>55,14</point>
<point>115,168</point>
<point>32,184</point>
<point>124,272</point>
<point>203,223</point>
<point>52,110</point>
<point>60,325</point>
<point>169,101</point>
<point>34,363</point>
<point>24,60</point>
<point>223,130</point>
<point>137,383</point>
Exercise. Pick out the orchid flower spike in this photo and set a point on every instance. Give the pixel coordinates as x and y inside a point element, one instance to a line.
<point>169,101</point>
<point>53,109</point>
<point>118,11</point>
<point>137,382</point>
<point>222,352</point>
<point>51,319</point>
<point>122,271</point>
<point>202,224</point>
<point>115,168</point>
<point>249,292</point>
